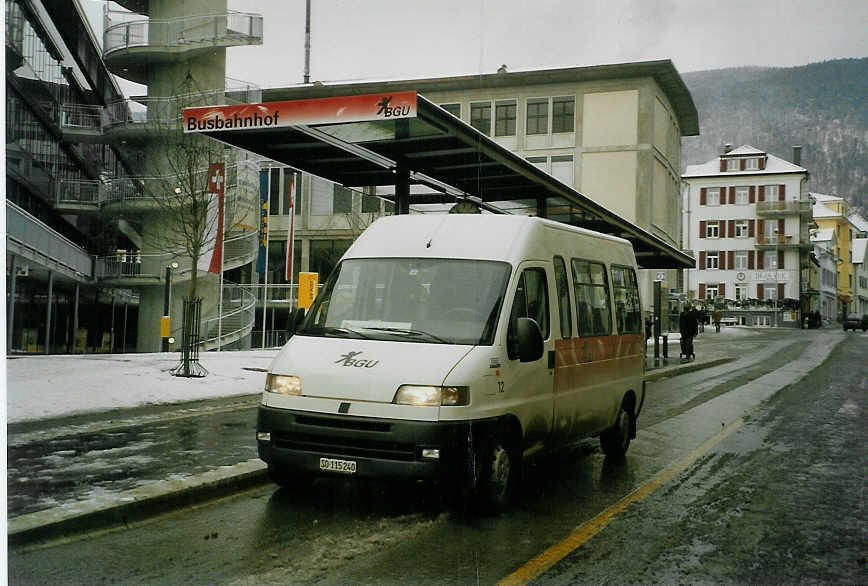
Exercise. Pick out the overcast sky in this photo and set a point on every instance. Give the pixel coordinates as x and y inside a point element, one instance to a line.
<point>388,39</point>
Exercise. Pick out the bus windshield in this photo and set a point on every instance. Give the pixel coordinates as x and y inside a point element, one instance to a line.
<point>445,301</point>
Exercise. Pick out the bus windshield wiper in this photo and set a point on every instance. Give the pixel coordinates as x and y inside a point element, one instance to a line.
<point>334,331</point>
<point>408,332</point>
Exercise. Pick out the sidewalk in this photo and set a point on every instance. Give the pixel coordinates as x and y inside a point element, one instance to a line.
<point>68,404</point>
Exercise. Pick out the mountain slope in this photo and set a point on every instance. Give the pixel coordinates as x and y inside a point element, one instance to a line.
<point>821,106</point>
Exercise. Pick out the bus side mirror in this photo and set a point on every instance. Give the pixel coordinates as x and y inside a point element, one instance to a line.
<point>295,319</point>
<point>530,340</point>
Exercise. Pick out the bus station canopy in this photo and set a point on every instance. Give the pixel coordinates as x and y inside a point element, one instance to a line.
<point>401,139</point>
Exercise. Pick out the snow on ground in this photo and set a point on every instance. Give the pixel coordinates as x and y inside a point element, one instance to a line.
<point>38,387</point>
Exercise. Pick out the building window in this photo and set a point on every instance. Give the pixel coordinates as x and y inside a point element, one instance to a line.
<point>480,117</point>
<point>770,259</point>
<point>712,230</point>
<point>539,162</point>
<point>454,109</point>
<point>537,116</point>
<point>741,229</point>
<point>770,291</point>
<point>710,292</point>
<point>771,192</point>
<point>712,197</point>
<point>504,118</point>
<point>370,204</point>
<point>741,194</point>
<point>751,165</point>
<point>740,259</point>
<point>733,165</point>
<point>562,168</point>
<point>711,259</point>
<point>740,292</point>
<point>564,114</point>
<point>343,200</point>
<point>325,254</point>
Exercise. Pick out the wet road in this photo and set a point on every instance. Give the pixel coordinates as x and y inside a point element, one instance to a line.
<point>779,499</point>
<point>72,460</point>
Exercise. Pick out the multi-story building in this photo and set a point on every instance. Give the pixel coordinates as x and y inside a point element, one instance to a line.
<point>831,212</point>
<point>88,173</point>
<point>860,266</point>
<point>56,87</point>
<point>824,280</point>
<point>746,218</point>
<point>612,132</point>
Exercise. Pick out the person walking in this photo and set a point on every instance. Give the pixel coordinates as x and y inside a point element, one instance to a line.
<point>688,326</point>
<point>716,317</point>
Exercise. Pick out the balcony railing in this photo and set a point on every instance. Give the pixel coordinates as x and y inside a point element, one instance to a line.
<point>234,321</point>
<point>81,117</point>
<point>45,243</point>
<point>773,240</point>
<point>232,28</point>
<point>166,112</point>
<point>783,207</point>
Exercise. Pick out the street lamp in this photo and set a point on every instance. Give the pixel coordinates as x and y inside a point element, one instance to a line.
<point>165,322</point>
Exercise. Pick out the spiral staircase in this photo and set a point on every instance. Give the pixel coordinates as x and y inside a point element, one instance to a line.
<point>168,46</point>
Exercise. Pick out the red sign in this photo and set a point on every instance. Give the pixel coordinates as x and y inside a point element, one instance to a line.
<point>366,108</point>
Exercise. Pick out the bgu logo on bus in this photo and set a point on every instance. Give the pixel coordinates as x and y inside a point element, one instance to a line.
<point>388,111</point>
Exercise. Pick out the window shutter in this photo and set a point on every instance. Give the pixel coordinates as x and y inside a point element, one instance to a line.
<point>759,260</point>
<point>703,196</point>
<point>782,192</point>
<point>730,262</point>
<point>780,291</point>
<point>702,290</point>
<point>721,288</point>
<point>762,193</point>
<point>750,228</point>
<point>702,228</point>
<point>732,195</point>
<point>741,165</point>
<point>760,232</point>
<point>731,228</point>
<point>760,291</point>
<point>781,259</point>
<point>750,257</point>
<point>722,164</point>
<point>762,163</point>
<point>751,194</point>
<point>702,263</point>
<point>780,228</point>
<point>721,260</point>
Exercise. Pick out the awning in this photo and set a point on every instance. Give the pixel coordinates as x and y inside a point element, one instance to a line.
<point>402,139</point>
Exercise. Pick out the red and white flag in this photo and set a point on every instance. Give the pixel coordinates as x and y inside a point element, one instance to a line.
<point>216,182</point>
<point>291,237</point>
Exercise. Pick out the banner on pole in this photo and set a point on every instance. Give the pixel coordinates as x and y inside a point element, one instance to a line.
<point>263,221</point>
<point>216,184</point>
<point>290,240</point>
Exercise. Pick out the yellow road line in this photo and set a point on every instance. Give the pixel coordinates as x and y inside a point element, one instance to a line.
<point>574,540</point>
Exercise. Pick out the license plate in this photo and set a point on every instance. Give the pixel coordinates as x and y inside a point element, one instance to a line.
<point>340,466</point>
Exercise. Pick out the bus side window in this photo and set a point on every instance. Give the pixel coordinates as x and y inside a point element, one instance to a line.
<point>531,300</point>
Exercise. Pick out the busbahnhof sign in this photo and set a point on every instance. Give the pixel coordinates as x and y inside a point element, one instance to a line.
<point>401,139</point>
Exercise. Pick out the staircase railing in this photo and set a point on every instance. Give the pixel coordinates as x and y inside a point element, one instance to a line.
<point>234,322</point>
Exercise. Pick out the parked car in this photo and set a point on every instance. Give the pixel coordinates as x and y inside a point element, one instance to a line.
<point>851,322</point>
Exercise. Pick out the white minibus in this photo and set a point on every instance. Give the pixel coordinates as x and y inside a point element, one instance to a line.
<point>451,347</point>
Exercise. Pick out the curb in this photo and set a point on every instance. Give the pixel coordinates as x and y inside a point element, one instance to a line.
<point>135,504</point>
<point>677,369</point>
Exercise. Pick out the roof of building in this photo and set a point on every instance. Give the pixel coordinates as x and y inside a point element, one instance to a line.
<point>859,221</point>
<point>662,71</point>
<point>774,165</point>
<point>824,197</point>
<point>821,210</point>
<point>858,247</point>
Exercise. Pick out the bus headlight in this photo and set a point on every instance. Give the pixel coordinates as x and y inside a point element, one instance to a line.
<point>282,384</point>
<point>432,396</point>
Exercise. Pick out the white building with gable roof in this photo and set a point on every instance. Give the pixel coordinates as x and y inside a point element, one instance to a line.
<point>746,219</point>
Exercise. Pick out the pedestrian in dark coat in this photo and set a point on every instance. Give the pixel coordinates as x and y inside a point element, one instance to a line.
<point>688,327</point>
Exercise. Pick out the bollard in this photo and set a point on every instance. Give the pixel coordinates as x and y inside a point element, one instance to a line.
<point>665,349</point>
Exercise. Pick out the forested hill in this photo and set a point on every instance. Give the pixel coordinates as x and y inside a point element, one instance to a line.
<point>821,106</point>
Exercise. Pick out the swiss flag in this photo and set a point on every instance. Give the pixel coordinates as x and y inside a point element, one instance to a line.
<point>216,182</point>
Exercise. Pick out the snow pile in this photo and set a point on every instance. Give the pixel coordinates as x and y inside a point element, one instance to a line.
<point>38,387</point>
